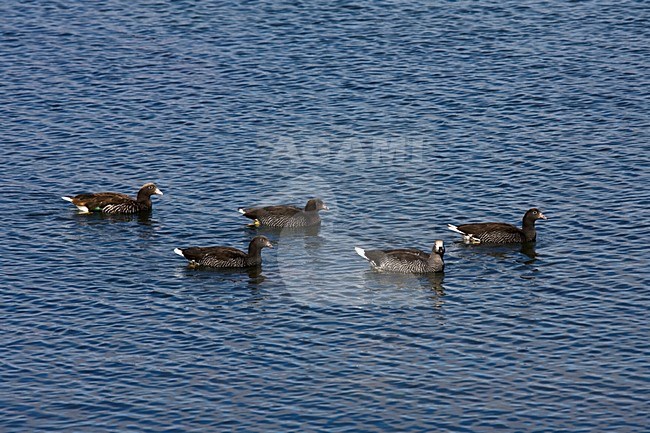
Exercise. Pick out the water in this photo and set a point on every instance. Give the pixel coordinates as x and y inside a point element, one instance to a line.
<point>403,117</point>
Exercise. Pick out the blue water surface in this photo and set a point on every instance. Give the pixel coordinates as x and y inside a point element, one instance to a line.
<point>403,116</point>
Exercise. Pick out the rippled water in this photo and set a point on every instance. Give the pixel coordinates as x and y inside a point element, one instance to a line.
<point>403,117</point>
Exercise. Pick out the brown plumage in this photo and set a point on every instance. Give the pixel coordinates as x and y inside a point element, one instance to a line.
<point>226,257</point>
<point>285,215</point>
<point>115,202</point>
<point>500,233</point>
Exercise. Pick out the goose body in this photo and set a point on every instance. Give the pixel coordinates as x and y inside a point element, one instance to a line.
<point>406,260</point>
<point>115,202</point>
<point>226,257</point>
<point>500,233</point>
<point>285,215</point>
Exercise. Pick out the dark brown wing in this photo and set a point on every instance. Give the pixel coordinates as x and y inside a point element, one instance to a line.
<point>99,200</point>
<point>480,228</point>
<point>220,253</point>
<point>269,211</point>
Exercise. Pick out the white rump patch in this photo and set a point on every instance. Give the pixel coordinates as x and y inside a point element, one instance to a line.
<point>467,238</point>
<point>453,228</point>
<point>361,252</point>
<point>179,252</point>
<point>241,210</point>
<point>83,209</point>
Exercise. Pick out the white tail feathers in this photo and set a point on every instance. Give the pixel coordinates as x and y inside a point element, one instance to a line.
<point>361,252</point>
<point>82,208</point>
<point>179,252</point>
<point>241,210</point>
<point>468,238</point>
<point>453,228</point>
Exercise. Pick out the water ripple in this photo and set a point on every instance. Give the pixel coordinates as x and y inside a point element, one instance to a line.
<point>403,117</point>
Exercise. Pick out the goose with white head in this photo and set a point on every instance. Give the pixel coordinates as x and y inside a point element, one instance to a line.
<point>412,261</point>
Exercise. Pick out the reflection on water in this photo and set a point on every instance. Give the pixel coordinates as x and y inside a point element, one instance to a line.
<point>431,282</point>
<point>145,225</point>
<point>288,232</point>
<point>403,118</point>
<point>502,252</point>
<point>89,218</point>
<point>234,275</point>
<point>528,249</point>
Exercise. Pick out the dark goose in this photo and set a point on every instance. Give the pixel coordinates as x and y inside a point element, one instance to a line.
<point>285,215</point>
<point>226,257</point>
<point>406,260</point>
<point>500,233</point>
<point>115,202</point>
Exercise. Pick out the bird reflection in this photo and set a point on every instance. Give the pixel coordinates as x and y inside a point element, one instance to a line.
<point>145,228</point>
<point>254,273</point>
<point>431,281</point>
<point>89,218</point>
<point>434,281</point>
<point>503,251</point>
<point>528,249</point>
<point>294,232</point>
<point>311,235</point>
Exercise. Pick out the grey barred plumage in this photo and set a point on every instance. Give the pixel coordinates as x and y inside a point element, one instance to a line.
<point>500,233</point>
<point>115,202</point>
<point>226,257</point>
<point>286,215</point>
<point>406,260</point>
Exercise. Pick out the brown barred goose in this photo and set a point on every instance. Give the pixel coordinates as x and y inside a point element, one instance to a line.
<point>115,202</point>
<point>226,257</point>
<point>500,233</point>
<point>285,215</point>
